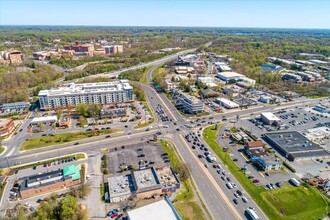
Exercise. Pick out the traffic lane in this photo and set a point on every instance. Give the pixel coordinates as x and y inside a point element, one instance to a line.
<point>58,151</point>
<point>212,200</point>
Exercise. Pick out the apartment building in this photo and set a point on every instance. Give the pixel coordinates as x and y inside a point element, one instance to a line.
<point>97,93</point>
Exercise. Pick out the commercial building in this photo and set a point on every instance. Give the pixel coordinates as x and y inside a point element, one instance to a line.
<point>255,149</point>
<point>146,183</point>
<point>291,77</point>
<point>222,67</point>
<point>98,93</point>
<point>15,106</point>
<point>160,210</point>
<point>271,67</point>
<point>295,146</point>
<point>185,70</point>
<point>227,76</point>
<point>269,163</point>
<point>269,118</point>
<point>207,80</point>
<point>143,183</point>
<point>169,85</point>
<point>64,121</point>
<point>226,103</point>
<point>44,119</point>
<point>6,127</point>
<point>113,113</point>
<point>50,181</point>
<point>77,47</point>
<point>208,93</point>
<point>318,134</point>
<point>191,104</point>
<point>232,90</point>
<point>120,188</point>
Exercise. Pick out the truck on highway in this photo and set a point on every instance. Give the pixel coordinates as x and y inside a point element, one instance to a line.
<point>251,214</point>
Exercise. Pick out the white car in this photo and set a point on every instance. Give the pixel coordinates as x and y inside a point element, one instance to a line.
<point>234,185</point>
<point>27,204</point>
<point>244,199</point>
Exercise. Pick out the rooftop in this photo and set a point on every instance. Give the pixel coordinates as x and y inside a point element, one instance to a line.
<point>120,185</point>
<point>230,74</point>
<point>146,180</point>
<point>4,122</point>
<point>252,144</point>
<point>296,144</point>
<point>270,116</point>
<point>72,171</point>
<point>160,210</point>
<point>269,160</point>
<point>72,88</point>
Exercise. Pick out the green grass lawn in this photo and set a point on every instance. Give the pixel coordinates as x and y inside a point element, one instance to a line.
<point>272,201</point>
<point>40,142</point>
<point>1,149</point>
<point>185,202</point>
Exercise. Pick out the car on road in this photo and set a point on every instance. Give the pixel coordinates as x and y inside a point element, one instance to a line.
<point>228,178</point>
<point>244,199</point>
<point>206,165</point>
<point>256,181</point>
<point>77,143</point>
<point>279,184</point>
<point>223,177</point>
<point>236,195</point>
<point>108,136</point>
<point>235,201</point>
<point>234,185</point>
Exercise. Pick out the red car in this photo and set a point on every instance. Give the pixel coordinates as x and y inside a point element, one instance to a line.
<point>256,181</point>
<point>115,215</point>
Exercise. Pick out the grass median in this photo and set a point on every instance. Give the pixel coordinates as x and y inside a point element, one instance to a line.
<point>287,203</point>
<point>39,142</point>
<point>2,149</point>
<point>185,202</point>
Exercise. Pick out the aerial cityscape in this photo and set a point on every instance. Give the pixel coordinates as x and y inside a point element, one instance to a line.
<point>169,110</point>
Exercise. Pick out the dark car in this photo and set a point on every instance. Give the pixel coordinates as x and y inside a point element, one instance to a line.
<point>77,143</point>
<point>166,161</point>
<point>235,201</point>
<point>142,155</point>
<point>108,136</point>
<point>239,192</point>
<point>200,156</point>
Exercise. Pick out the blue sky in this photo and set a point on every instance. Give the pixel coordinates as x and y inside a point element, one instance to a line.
<point>213,13</point>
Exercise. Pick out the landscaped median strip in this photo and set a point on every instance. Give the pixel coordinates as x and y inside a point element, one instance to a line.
<point>293,208</point>
<point>39,142</point>
<point>185,201</point>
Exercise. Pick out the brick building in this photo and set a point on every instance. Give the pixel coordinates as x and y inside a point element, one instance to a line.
<point>48,182</point>
<point>77,47</point>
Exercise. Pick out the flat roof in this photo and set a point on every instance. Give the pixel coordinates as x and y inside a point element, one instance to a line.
<point>72,171</point>
<point>227,102</point>
<point>146,179</point>
<point>269,160</point>
<point>270,116</point>
<point>160,210</point>
<point>120,185</point>
<point>230,74</point>
<point>296,144</point>
<point>44,119</point>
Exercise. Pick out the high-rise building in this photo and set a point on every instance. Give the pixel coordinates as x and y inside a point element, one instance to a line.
<point>97,93</point>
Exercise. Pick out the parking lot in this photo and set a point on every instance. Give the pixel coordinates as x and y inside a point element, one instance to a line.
<point>297,119</point>
<point>130,157</point>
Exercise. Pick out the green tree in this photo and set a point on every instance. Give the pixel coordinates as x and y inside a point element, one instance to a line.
<point>81,109</point>
<point>41,126</point>
<point>82,121</point>
<point>67,207</point>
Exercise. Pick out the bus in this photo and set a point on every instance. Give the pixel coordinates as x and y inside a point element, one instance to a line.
<point>251,214</point>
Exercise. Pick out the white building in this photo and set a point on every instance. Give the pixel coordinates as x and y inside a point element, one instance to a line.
<point>98,93</point>
<point>207,80</point>
<point>169,85</point>
<point>222,67</point>
<point>226,76</point>
<point>269,118</point>
<point>227,103</point>
<point>45,119</point>
<point>191,104</point>
<point>119,188</point>
<point>318,134</point>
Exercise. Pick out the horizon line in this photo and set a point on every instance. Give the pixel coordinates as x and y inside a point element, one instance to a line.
<point>165,26</point>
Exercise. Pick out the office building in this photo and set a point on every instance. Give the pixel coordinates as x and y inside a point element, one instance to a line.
<point>120,188</point>
<point>269,163</point>
<point>97,93</point>
<point>295,146</point>
<point>191,104</point>
<point>207,80</point>
<point>113,49</point>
